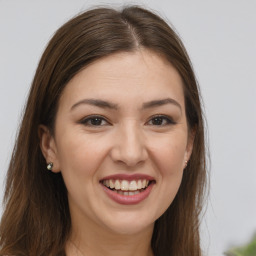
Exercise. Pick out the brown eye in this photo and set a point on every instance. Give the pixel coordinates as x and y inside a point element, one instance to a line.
<point>94,121</point>
<point>161,121</point>
<point>157,121</point>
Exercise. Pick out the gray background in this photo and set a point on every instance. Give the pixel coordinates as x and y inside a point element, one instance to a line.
<point>220,37</point>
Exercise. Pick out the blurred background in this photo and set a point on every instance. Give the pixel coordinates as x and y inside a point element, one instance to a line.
<point>220,37</point>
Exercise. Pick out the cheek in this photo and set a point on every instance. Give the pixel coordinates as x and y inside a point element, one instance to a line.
<point>79,155</point>
<point>169,160</point>
<point>171,168</point>
<point>169,154</point>
<point>79,160</point>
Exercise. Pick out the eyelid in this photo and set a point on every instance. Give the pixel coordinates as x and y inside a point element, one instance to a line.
<point>90,117</point>
<point>169,119</point>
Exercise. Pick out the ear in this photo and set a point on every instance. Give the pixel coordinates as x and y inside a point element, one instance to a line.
<point>190,144</point>
<point>48,147</point>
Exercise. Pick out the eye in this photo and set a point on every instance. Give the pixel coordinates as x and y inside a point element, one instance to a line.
<point>94,121</point>
<point>160,120</point>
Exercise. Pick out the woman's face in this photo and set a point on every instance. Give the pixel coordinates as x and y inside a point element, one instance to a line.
<point>121,141</point>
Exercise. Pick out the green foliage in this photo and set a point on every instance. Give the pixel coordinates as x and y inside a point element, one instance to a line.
<point>247,250</point>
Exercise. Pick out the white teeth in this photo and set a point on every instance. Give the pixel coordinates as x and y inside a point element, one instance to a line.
<point>117,184</point>
<point>131,187</point>
<point>139,184</point>
<point>127,193</point>
<point>111,184</point>
<point>124,185</point>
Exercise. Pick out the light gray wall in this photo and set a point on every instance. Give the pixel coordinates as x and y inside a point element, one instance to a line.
<point>220,37</point>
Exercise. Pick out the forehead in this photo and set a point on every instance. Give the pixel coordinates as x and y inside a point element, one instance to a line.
<point>140,74</point>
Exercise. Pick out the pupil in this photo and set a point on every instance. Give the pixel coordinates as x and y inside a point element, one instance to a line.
<point>157,121</point>
<point>96,121</point>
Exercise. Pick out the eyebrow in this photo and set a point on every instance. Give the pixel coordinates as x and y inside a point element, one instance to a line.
<point>158,103</point>
<point>109,105</point>
<point>96,102</point>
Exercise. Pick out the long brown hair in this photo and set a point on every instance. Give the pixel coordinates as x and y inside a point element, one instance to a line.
<point>36,219</point>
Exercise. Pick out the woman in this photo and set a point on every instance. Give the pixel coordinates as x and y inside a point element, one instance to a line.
<point>110,158</point>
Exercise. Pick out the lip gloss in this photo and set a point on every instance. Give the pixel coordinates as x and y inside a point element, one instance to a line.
<point>129,177</point>
<point>126,199</point>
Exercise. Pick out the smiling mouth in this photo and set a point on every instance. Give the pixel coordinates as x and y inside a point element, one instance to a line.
<point>126,187</point>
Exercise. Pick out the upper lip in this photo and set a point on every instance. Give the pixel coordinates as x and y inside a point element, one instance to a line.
<point>128,177</point>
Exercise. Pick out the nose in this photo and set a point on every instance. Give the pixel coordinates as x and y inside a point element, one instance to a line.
<point>129,146</point>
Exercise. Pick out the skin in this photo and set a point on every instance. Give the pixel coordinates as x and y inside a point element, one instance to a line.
<point>127,140</point>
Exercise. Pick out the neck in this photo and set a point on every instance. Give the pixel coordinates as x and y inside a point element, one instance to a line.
<point>90,240</point>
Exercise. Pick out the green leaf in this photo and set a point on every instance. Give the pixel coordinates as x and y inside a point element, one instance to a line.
<point>247,250</point>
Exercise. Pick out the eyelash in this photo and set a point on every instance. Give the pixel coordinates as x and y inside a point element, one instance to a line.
<point>88,120</point>
<point>168,120</point>
<point>95,118</point>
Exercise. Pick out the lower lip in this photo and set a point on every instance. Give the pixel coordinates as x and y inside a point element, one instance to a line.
<point>128,200</point>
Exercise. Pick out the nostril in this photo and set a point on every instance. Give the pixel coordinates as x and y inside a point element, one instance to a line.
<point>128,156</point>
<point>130,147</point>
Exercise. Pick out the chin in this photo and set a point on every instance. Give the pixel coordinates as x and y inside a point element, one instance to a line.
<point>130,225</point>
<point>130,229</point>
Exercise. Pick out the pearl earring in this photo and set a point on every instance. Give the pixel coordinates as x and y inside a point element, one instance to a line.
<point>49,166</point>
